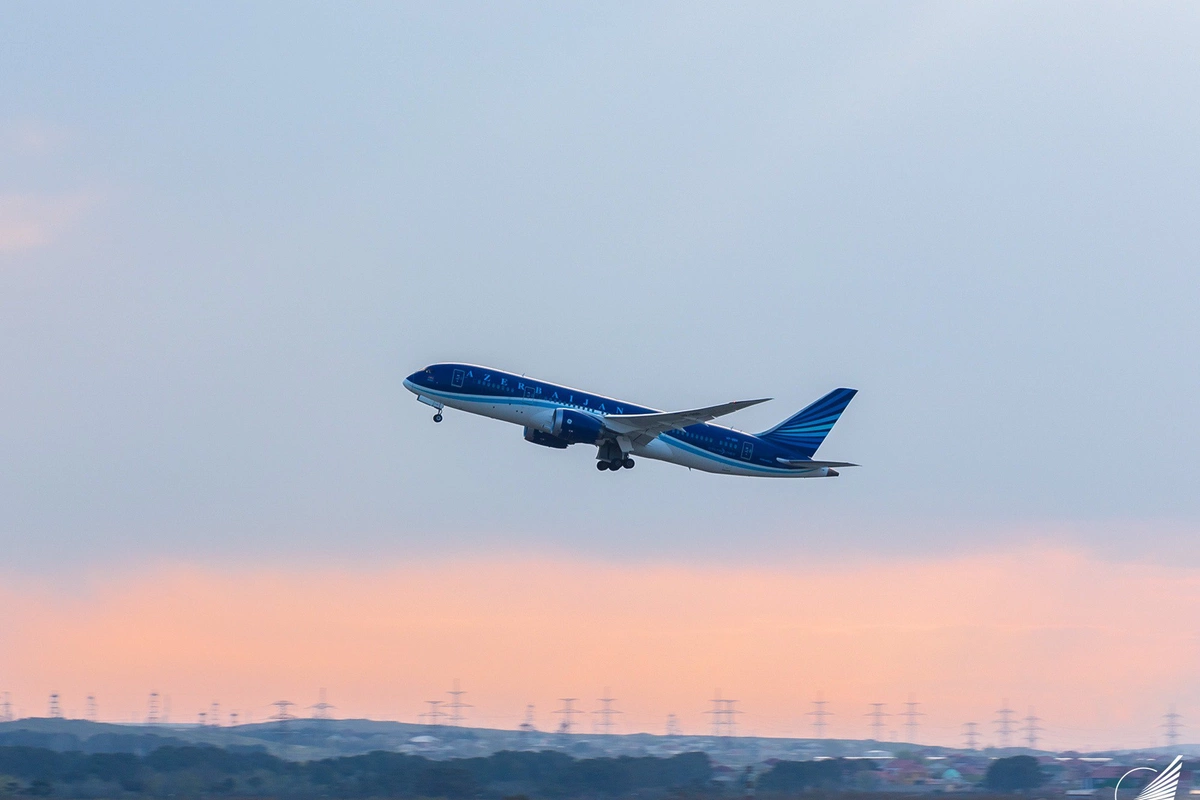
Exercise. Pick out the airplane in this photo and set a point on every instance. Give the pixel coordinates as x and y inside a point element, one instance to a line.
<point>559,416</point>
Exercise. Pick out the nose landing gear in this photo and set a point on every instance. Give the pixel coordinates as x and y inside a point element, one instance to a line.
<point>437,407</point>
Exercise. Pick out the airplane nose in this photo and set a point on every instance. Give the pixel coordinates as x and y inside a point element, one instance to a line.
<point>411,383</point>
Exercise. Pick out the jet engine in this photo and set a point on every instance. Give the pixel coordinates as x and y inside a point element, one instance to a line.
<point>576,427</point>
<point>545,439</point>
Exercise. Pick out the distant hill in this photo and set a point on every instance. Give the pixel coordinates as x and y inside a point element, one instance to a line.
<point>310,739</point>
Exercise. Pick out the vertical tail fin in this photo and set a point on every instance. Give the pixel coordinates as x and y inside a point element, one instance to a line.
<point>804,431</point>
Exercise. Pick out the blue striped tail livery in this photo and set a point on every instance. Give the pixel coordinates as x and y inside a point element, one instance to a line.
<point>805,431</point>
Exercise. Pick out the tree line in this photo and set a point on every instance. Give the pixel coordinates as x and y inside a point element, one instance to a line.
<point>185,771</point>
<point>193,771</point>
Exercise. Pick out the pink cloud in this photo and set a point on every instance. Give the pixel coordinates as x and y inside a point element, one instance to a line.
<point>32,221</point>
<point>1099,648</point>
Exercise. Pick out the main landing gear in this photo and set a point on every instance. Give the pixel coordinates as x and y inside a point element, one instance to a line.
<point>610,456</point>
<point>615,464</point>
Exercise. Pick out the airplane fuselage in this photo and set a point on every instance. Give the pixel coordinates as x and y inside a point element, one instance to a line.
<point>535,405</point>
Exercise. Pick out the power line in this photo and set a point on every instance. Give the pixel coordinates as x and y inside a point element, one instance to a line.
<point>527,725</point>
<point>877,714</point>
<point>456,705</point>
<point>605,713</point>
<point>910,714</point>
<point>1173,724</point>
<point>567,714</point>
<point>1031,729</point>
<point>283,713</point>
<point>1004,725</point>
<point>716,713</point>
<point>819,714</point>
<point>435,714</point>
<point>971,734</point>
<point>731,712</point>
<point>724,716</point>
<point>320,708</point>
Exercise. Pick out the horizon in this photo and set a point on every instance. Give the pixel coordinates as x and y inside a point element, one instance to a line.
<point>539,738</point>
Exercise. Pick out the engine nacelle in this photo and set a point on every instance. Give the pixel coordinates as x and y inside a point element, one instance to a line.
<point>545,439</point>
<point>576,427</point>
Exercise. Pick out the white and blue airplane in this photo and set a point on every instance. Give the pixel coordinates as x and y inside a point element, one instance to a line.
<point>559,416</point>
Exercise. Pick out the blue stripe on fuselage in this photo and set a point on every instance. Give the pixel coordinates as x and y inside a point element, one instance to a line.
<point>717,458</point>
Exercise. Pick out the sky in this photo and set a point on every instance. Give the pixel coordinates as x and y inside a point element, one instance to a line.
<point>228,233</point>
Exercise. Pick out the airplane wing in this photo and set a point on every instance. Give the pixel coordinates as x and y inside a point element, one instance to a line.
<point>642,428</point>
<point>805,463</point>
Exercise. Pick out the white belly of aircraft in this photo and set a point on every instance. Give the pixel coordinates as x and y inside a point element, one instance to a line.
<point>662,450</point>
<point>516,413</point>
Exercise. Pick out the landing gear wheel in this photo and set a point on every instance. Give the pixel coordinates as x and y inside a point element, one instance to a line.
<point>616,464</point>
<point>602,465</point>
<point>437,417</point>
<point>628,463</point>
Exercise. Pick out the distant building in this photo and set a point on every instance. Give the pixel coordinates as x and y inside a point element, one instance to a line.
<point>905,772</point>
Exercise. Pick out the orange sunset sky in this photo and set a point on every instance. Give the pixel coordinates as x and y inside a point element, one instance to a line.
<point>1095,647</point>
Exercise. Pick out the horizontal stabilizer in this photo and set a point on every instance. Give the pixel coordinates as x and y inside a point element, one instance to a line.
<point>652,424</point>
<point>808,463</point>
